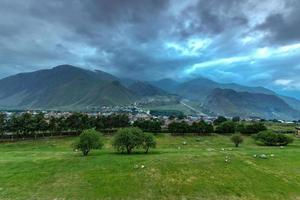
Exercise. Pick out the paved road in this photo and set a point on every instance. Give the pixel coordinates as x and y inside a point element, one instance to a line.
<point>193,109</point>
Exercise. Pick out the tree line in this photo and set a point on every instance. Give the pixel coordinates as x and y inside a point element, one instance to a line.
<point>221,125</point>
<point>37,125</point>
<point>198,128</point>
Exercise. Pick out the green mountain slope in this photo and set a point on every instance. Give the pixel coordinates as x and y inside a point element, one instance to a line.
<point>64,86</point>
<point>232,103</point>
<point>144,89</point>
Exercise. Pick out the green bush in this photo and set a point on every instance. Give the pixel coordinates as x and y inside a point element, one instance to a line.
<point>237,139</point>
<point>201,128</point>
<point>178,128</point>
<point>226,127</point>
<point>270,138</point>
<point>240,127</point>
<point>253,128</point>
<point>236,119</point>
<point>88,140</point>
<point>219,120</point>
<point>153,126</point>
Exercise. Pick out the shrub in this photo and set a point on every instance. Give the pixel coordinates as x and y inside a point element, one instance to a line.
<point>148,142</point>
<point>111,121</point>
<point>270,138</point>
<point>127,139</point>
<point>253,128</point>
<point>219,120</point>
<point>236,139</point>
<point>178,128</point>
<point>88,140</point>
<point>201,128</point>
<point>153,126</point>
<point>226,127</point>
<point>236,119</point>
<point>240,127</point>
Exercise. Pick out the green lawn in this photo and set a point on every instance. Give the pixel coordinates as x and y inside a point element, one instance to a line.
<point>49,169</point>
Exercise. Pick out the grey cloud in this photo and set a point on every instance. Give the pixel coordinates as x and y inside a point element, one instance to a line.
<point>283,28</point>
<point>129,31</point>
<point>128,38</point>
<point>213,17</point>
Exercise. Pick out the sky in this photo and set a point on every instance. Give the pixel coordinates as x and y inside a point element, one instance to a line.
<point>250,42</point>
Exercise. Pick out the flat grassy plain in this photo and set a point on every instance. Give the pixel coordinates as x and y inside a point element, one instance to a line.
<point>50,169</point>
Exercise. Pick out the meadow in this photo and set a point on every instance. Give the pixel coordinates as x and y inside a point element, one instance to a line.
<point>179,168</point>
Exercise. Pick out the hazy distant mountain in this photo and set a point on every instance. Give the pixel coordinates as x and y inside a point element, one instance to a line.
<point>200,88</point>
<point>64,86</point>
<point>144,89</point>
<point>294,103</point>
<point>242,88</point>
<point>245,104</point>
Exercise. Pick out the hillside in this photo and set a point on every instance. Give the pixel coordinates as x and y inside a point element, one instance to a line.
<point>64,86</point>
<point>200,88</point>
<point>144,89</point>
<point>196,89</point>
<point>166,84</point>
<point>231,103</point>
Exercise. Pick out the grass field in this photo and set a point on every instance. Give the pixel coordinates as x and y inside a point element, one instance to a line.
<point>49,169</point>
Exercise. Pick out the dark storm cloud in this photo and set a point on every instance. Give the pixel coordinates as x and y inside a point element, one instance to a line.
<point>131,32</point>
<point>283,27</point>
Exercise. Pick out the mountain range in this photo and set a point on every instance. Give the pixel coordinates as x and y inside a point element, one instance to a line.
<point>67,87</point>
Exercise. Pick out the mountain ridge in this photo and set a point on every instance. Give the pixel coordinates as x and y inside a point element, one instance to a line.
<point>61,87</point>
<point>245,104</point>
<point>74,88</point>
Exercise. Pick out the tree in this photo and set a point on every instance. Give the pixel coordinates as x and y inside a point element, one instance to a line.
<point>77,122</point>
<point>2,123</point>
<point>237,139</point>
<point>153,126</point>
<point>201,128</point>
<point>39,123</point>
<point>127,139</point>
<point>178,128</point>
<point>226,127</point>
<point>172,117</point>
<point>53,125</point>
<point>236,119</point>
<point>219,120</point>
<point>99,124</point>
<point>111,121</point>
<point>13,124</point>
<point>26,124</point>
<point>89,139</point>
<point>148,141</point>
<point>240,127</point>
